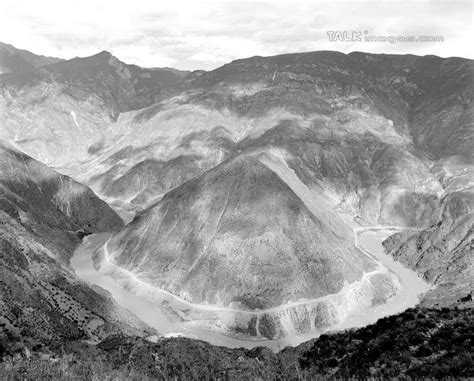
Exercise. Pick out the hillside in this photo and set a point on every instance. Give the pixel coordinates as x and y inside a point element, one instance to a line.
<point>424,343</point>
<point>220,241</point>
<point>351,123</point>
<point>43,216</point>
<point>442,253</point>
<point>13,60</point>
<point>57,113</point>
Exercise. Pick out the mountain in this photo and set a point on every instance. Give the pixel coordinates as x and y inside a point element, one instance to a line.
<point>246,182</point>
<point>224,213</point>
<point>442,253</point>
<point>429,97</point>
<point>179,73</point>
<point>59,113</point>
<point>384,138</point>
<point>362,120</point>
<point>220,240</point>
<point>43,216</point>
<point>351,123</point>
<point>13,60</point>
<point>33,192</point>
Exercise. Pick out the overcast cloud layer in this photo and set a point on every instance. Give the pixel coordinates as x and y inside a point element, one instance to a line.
<point>194,35</point>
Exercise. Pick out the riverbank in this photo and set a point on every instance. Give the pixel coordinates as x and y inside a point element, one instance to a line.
<point>368,239</point>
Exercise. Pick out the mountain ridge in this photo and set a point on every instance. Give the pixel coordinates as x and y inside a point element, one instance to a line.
<point>18,60</point>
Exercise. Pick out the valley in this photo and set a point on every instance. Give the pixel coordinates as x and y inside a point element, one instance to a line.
<point>259,210</point>
<point>151,304</point>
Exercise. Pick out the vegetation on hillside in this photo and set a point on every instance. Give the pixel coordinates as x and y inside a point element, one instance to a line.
<point>419,343</point>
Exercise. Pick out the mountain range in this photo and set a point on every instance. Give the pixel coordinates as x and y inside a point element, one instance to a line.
<point>244,184</point>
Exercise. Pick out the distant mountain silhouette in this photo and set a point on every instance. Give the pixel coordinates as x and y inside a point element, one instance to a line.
<point>13,60</point>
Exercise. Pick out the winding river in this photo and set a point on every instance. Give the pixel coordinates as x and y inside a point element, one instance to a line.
<point>367,239</point>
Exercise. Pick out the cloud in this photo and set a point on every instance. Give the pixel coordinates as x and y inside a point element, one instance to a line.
<point>204,35</point>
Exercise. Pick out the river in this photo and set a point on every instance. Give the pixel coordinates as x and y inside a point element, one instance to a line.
<point>369,240</point>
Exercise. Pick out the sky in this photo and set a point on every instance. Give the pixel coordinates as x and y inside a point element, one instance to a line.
<point>204,35</point>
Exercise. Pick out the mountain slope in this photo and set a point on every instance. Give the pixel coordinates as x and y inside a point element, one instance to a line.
<point>56,113</point>
<point>245,177</point>
<point>429,97</point>
<point>381,139</point>
<point>389,348</point>
<point>240,237</point>
<point>442,253</point>
<point>396,116</point>
<point>33,192</point>
<point>13,60</point>
<point>361,119</point>
<point>43,216</point>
